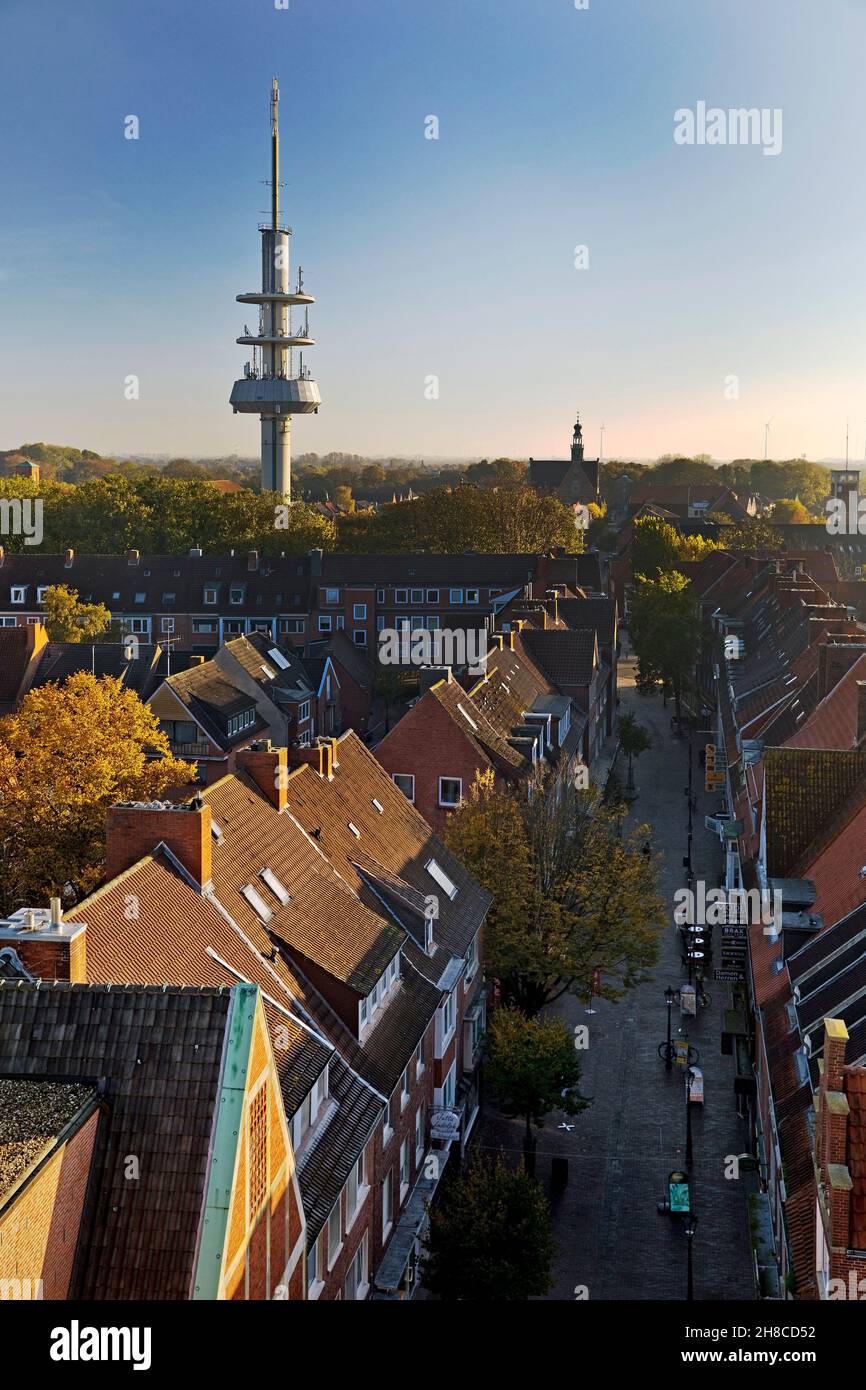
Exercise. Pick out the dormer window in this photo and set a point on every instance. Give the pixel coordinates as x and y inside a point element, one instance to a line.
<point>169,598</point>
<point>19,593</point>
<point>210,595</point>
<point>332,595</point>
<point>40,593</point>
<point>236,594</point>
<point>140,598</point>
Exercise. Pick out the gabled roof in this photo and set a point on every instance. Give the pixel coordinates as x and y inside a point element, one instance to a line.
<point>157,1054</point>
<point>60,660</point>
<point>566,658</point>
<point>833,722</point>
<point>212,700</point>
<point>803,789</point>
<point>584,613</point>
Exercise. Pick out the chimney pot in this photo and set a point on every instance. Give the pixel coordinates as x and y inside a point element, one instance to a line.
<point>69,557</point>
<point>56,913</point>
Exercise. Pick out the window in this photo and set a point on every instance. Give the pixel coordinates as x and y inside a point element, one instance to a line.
<point>236,594</point>
<point>335,1233</point>
<point>315,1263</point>
<point>438,874</point>
<point>356,1279</point>
<point>8,622</point>
<point>380,595</point>
<point>258,1149</point>
<point>404,1088</point>
<point>303,711</point>
<point>419,1133</point>
<point>448,1017</point>
<point>455,595</point>
<point>168,598</point>
<point>450,791</point>
<point>270,675</point>
<point>291,625</point>
<point>471,595</point>
<point>432,622</point>
<point>341,622</point>
<point>387,1204</point>
<point>404,1168</point>
<point>448,1090</point>
<point>401,595</point>
<point>419,1060</point>
<point>471,963</point>
<point>363,1012</point>
<point>210,595</point>
<point>167,624</point>
<point>19,593</point>
<point>432,595</point>
<point>40,593</point>
<point>234,626</point>
<point>393,970</point>
<point>359,635</point>
<point>325,622</point>
<point>140,598</point>
<point>140,625</point>
<point>257,903</point>
<point>332,596</point>
<point>355,1191</point>
<point>406,782</point>
<point>416,595</point>
<point>359,612</point>
<point>386,1123</point>
<point>380,622</point>
<point>203,625</point>
<point>275,886</point>
<point>417,624</point>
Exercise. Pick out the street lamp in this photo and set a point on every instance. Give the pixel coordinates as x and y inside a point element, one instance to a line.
<point>689,1151</point>
<point>670,998</point>
<point>691,1223</point>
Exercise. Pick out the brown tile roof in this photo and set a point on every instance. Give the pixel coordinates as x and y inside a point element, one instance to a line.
<point>158,1053</point>
<point>833,722</point>
<point>803,789</point>
<point>212,699</point>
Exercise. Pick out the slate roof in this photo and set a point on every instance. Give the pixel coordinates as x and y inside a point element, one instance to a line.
<point>209,695</point>
<point>566,658</point>
<point>598,613</point>
<point>59,660</point>
<point>158,1052</point>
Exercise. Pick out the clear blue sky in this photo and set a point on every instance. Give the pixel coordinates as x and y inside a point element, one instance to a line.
<point>452,257</point>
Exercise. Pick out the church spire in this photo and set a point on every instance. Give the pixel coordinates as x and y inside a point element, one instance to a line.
<point>577,442</point>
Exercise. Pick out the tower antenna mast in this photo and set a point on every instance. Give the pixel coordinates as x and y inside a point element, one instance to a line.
<point>275,157</point>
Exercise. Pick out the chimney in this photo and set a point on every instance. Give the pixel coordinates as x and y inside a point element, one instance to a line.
<point>136,828</point>
<point>68,558</point>
<point>511,640</point>
<point>832,1113</point>
<point>320,757</point>
<point>834,660</point>
<point>47,947</point>
<point>196,659</point>
<point>268,767</point>
<point>497,638</point>
<point>133,557</point>
<point>252,561</point>
<point>316,562</point>
<point>861,710</point>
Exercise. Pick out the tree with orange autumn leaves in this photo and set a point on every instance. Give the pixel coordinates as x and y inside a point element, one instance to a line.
<point>70,752</point>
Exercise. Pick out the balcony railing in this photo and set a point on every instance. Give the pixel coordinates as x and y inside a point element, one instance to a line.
<point>189,750</point>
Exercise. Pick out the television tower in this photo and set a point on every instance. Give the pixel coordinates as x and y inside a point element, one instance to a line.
<point>270,387</point>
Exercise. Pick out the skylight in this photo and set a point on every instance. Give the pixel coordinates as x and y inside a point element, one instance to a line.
<point>379,807</point>
<point>216,831</point>
<point>278,658</point>
<point>275,886</point>
<point>355,831</point>
<point>271,675</point>
<point>438,874</point>
<point>257,903</point>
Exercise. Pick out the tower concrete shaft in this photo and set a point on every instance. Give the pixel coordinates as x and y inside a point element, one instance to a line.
<point>270,387</point>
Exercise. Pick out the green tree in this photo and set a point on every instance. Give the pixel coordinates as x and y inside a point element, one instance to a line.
<point>532,1068</point>
<point>451,521</point>
<point>634,740</point>
<point>571,894</point>
<point>754,534</point>
<point>489,1238</point>
<point>656,546</point>
<point>68,620</point>
<point>672,468</point>
<point>665,631</point>
<point>790,510</point>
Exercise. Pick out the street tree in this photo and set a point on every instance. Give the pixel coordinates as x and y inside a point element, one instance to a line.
<point>572,895</point>
<point>532,1069</point>
<point>489,1239</point>
<point>665,631</point>
<point>634,740</point>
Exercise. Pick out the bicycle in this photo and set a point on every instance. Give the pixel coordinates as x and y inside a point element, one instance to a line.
<point>694,1055</point>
